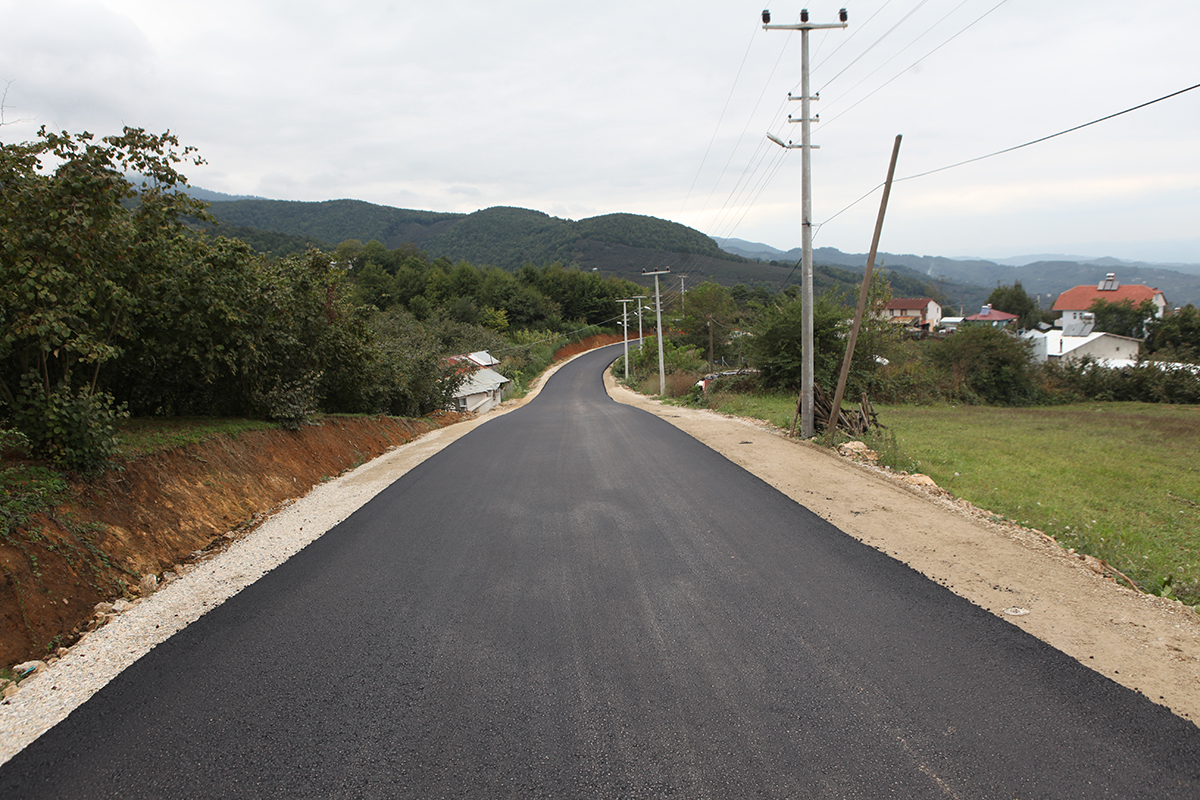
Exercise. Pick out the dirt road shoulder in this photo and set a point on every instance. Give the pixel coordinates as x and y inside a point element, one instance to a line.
<point>1149,644</point>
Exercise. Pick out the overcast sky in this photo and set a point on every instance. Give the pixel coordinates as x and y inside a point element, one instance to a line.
<point>656,107</point>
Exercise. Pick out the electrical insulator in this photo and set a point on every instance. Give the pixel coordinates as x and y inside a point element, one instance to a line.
<point>843,16</point>
<point>804,15</point>
<point>766,16</point>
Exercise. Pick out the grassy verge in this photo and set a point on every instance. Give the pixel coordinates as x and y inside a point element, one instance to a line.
<point>1119,481</point>
<point>145,435</point>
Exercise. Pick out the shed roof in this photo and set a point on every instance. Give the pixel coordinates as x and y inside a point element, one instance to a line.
<point>481,380</point>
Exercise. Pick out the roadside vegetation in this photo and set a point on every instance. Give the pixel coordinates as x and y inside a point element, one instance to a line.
<point>1101,459</point>
<point>129,325</point>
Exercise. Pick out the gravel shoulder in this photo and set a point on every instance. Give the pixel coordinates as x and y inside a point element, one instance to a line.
<point>1148,644</point>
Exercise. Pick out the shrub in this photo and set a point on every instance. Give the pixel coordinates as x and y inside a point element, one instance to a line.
<point>992,364</point>
<point>76,429</point>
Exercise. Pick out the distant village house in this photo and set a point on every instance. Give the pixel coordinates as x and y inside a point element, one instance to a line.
<point>914,312</point>
<point>1074,303</point>
<point>990,316</point>
<point>1106,349</point>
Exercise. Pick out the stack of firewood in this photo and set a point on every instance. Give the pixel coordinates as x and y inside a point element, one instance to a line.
<point>855,421</point>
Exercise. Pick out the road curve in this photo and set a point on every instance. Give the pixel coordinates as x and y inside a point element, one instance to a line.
<point>578,600</point>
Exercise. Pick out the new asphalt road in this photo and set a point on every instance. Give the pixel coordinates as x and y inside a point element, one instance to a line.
<point>578,600</point>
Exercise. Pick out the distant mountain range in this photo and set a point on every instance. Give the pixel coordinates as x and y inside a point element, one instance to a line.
<point>1044,275</point>
<point>628,244</point>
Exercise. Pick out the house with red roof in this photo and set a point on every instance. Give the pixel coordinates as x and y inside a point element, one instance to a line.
<point>990,316</point>
<point>916,312</point>
<point>1074,303</point>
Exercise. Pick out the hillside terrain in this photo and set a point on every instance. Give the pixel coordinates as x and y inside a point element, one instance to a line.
<point>1049,277</point>
<point>622,245</point>
<point>626,244</point>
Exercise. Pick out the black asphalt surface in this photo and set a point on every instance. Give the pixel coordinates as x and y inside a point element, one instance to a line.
<point>578,600</point>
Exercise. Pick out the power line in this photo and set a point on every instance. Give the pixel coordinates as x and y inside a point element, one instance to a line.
<point>896,55</point>
<point>915,63</point>
<point>721,119</point>
<point>1016,147</point>
<point>873,45</point>
<point>1055,135</point>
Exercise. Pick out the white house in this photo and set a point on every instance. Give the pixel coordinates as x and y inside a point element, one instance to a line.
<point>1074,303</point>
<point>916,312</point>
<point>1106,348</point>
<point>484,387</point>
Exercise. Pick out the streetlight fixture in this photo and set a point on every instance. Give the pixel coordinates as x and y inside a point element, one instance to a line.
<point>807,428</point>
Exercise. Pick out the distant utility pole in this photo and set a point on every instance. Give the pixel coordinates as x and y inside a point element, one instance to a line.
<point>639,298</point>
<point>662,369</point>
<point>807,428</point>
<point>625,330</point>
<point>682,296</point>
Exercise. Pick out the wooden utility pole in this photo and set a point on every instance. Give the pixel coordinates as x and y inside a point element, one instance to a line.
<point>836,411</point>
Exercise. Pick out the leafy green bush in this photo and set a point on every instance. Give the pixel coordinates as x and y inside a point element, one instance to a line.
<point>1146,381</point>
<point>993,365</point>
<point>776,346</point>
<point>76,429</point>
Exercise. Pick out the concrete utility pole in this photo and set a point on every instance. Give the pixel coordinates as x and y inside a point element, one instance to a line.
<point>662,369</point>
<point>682,296</point>
<point>625,331</point>
<point>639,298</point>
<point>807,428</point>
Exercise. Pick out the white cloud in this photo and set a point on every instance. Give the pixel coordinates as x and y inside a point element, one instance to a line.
<point>582,110</point>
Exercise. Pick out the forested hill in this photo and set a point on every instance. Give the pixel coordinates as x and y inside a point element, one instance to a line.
<point>613,244</point>
<point>335,221</point>
<point>501,236</point>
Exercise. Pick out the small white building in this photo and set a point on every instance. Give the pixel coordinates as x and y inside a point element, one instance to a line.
<point>950,324</point>
<point>1105,348</point>
<point>483,389</point>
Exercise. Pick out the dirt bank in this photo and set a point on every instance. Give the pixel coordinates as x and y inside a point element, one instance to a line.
<point>157,511</point>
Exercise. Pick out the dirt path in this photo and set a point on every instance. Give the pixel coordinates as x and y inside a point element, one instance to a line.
<point>1146,643</point>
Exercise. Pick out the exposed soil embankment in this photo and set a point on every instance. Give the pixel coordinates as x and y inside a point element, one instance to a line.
<point>157,511</point>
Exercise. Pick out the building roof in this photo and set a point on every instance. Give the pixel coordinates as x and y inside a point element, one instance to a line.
<point>1081,297</point>
<point>908,302</point>
<point>480,358</point>
<point>481,380</point>
<point>992,315</point>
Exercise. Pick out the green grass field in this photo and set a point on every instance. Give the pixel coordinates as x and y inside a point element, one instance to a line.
<point>1119,481</point>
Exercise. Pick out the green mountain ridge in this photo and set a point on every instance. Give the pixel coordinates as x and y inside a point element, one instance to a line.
<point>618,244</point>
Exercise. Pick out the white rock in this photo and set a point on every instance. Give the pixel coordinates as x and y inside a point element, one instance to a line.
<point>148,585</point>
